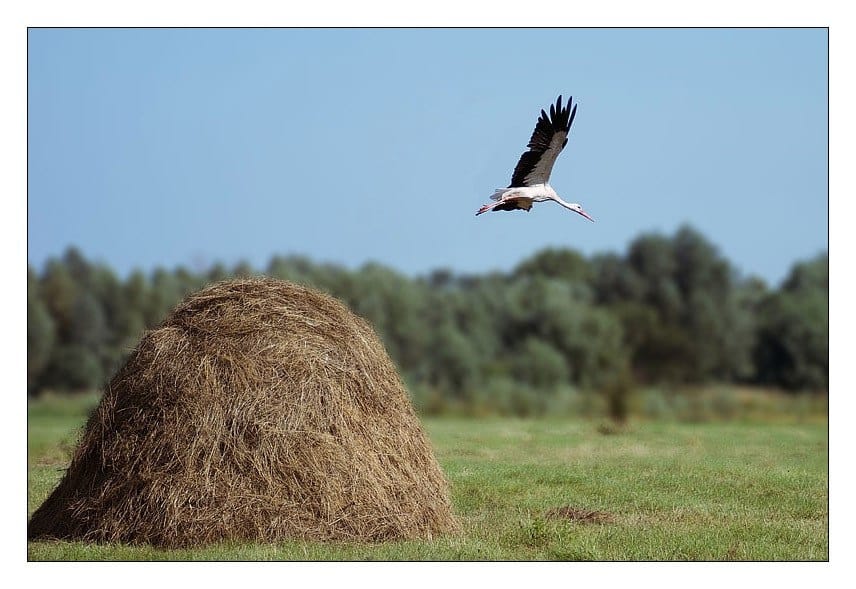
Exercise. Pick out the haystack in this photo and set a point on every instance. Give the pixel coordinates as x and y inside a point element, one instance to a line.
<point>258,410</point>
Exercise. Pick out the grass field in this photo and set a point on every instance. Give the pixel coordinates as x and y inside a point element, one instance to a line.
<point>660,490</point>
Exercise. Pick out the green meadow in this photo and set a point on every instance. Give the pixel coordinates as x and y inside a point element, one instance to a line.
<point>554,489</point>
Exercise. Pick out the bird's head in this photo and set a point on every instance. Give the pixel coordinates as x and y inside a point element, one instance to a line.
<point>577,208</point>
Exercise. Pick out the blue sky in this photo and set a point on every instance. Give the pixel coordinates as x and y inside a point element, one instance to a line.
<point>155,147</point>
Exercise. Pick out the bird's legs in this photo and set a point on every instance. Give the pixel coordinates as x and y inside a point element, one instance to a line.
<point>487,207</point>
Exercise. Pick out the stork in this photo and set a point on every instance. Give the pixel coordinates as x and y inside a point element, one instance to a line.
<point>529,181</point>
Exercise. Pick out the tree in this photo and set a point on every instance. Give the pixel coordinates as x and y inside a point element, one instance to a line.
<point>217,272</point>
<point>395,307</point>
<point>670,310</point>
<point>683,318</point>
<point>589,338</point>
<point>652,258</point>
<point>615,281</point>
<point>538,364</point>
<point>441,279</point>
<point>87,322</point>
<point>243,269</point>
<point>562,264</point>
<point>793,335</point>
<point>125,323</point>
<point>59,292</point>
<point>164,293</point>
<point>453,365</point>
<point>718,326</point>
<point>658,351</point>
<point>808,277</point>
<point>41,334</point>
<point>79,268</point>
<point>73,367</point>
<point>478,314</point>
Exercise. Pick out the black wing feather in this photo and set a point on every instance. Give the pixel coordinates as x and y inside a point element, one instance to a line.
<point>535,165</point>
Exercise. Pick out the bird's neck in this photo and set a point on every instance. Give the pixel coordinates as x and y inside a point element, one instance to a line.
<point>564,203</point>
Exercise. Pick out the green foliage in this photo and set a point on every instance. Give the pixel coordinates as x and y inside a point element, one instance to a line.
<point>538,364</point>
<point>561,264</point>
<point>618,390</point>
<point>615,281</point>
<point>73,367</point>
<point>655,404</point>
<point>671,311</point>
<point>726,403</point>
<point>588,338</point>
<point>504,396</point>
<point>88,326</point>
<point>453,364</point>
<point>659,351</point>
<point>792,348</point>
<point>58,291</point>
<point>684,317</point>
<point>41,334</point>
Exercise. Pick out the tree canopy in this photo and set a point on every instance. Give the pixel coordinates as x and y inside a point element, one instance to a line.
<point>669,310</point>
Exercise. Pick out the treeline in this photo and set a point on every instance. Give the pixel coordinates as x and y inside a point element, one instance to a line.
<point>671,310</point>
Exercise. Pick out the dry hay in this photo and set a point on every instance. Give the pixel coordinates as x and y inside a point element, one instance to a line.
<point>258,410</point>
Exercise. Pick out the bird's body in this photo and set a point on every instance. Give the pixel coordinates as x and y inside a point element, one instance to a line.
<point>529,181</point>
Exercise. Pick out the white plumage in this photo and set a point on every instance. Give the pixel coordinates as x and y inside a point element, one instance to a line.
<point>532,172</point>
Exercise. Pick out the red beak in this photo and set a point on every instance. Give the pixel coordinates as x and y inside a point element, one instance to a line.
<point>586,215</point>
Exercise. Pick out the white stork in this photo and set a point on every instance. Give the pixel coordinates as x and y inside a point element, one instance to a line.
<point>529,182</point>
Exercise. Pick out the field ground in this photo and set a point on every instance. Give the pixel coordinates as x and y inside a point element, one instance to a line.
<point>653,491</point>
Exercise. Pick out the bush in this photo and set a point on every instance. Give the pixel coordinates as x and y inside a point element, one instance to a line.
<point>539,364</point>
<point>73,367</point>
<point>724,403</point>
<point>428,400</point>
<point>564,401</point>
<point>504,396</point>
<point>40,341</point>
<point>656,405</point>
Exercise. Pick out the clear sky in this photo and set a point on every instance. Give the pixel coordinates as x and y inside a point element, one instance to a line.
<point>152,147</point>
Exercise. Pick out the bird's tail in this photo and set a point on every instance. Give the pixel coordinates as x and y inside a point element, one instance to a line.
<point>497,194</point>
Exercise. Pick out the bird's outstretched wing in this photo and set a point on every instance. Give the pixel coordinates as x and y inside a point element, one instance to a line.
<point>548,140</point>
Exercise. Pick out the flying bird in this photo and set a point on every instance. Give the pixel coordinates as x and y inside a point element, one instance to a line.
<point>529,181</point>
